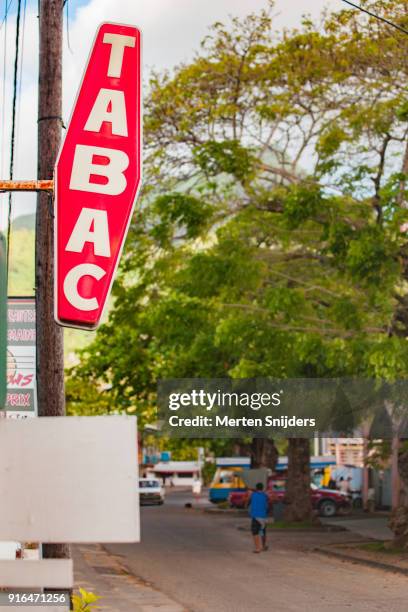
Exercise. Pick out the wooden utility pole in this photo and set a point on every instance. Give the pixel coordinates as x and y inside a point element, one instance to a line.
<point>50,348</point>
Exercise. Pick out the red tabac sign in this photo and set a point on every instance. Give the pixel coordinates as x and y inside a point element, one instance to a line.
<point>97,176</point>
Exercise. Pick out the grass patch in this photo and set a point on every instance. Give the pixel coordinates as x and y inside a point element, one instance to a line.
<point>289,525</point>
<point>382,547</point>
<point>224,505</point>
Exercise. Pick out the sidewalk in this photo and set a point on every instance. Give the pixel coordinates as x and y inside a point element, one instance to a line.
<point>374,551</point>
<point>104,574</point>
<point>372,527</point>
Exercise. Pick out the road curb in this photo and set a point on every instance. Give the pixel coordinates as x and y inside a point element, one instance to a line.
<point>226,511</point>
<point>361,561</point>
<point>125,587</point>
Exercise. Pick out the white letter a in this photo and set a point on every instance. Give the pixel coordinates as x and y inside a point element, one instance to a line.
<point>82,232</point>
<point>116,116</point>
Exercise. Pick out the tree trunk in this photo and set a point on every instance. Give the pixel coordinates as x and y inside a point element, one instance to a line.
<point>298,502</point>
<point>263,453</point>
<point>399,517</point>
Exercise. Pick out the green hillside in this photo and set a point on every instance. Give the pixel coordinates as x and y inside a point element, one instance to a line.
<point>24,222</point>
<point>21,279</point>
<point>21,269</point>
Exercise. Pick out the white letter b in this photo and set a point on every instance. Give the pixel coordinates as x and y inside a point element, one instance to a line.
<point>83,167</point>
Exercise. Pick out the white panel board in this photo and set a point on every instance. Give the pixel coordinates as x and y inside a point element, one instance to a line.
<point>50,608</point>
<point>8,550</point>
<point>69,479</point>
<point>44,573</point>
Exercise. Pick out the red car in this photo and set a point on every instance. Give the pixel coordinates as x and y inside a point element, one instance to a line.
<point>326,501</point>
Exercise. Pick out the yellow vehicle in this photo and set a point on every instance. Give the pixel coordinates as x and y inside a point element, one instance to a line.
<point>227,477</point>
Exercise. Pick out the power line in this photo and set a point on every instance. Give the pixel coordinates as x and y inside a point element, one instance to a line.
<point>3,102</point>
<point>15,79</point>
<point>13,116</point>
<point>20,84</point>
<point>390,23</point>
<point>6,12</point>
<point>67,4</point>
<point>13,120</point>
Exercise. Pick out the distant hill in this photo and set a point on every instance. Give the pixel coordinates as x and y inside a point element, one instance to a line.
<point>21,268</point>
<point>21,279</point>
<point>24,222</point>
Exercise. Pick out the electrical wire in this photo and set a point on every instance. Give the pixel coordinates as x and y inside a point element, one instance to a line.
<point>3,101</point>
<point>383,19</point>
<point>6,12</point>
<point>15,79</point>
<point>13,121</point>
<point>67,20</point>
<point>20,80</point>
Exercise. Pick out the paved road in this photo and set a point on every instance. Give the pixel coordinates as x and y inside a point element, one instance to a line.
<point>205,563</point>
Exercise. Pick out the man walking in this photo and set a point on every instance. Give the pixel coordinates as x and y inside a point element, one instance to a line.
<point>258,510</point>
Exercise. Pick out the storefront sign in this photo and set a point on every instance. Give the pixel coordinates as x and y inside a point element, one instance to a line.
<point>21,400</point>
<point>98,174</point>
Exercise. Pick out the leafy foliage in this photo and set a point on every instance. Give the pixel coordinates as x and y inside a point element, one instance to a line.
<point>271,239</point>
<point>231,157</point>
<point>85,601</point>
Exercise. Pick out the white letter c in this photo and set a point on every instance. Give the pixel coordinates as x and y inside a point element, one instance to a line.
<point>71,286</point>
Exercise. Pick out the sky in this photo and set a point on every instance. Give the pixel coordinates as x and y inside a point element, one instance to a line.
<point>172,31</point>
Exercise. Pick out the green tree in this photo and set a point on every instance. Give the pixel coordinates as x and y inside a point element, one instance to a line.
<point>271,240</point>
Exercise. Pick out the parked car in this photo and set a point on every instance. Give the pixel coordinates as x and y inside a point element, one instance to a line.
<point>150,491</point>
<point>326,501</point>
